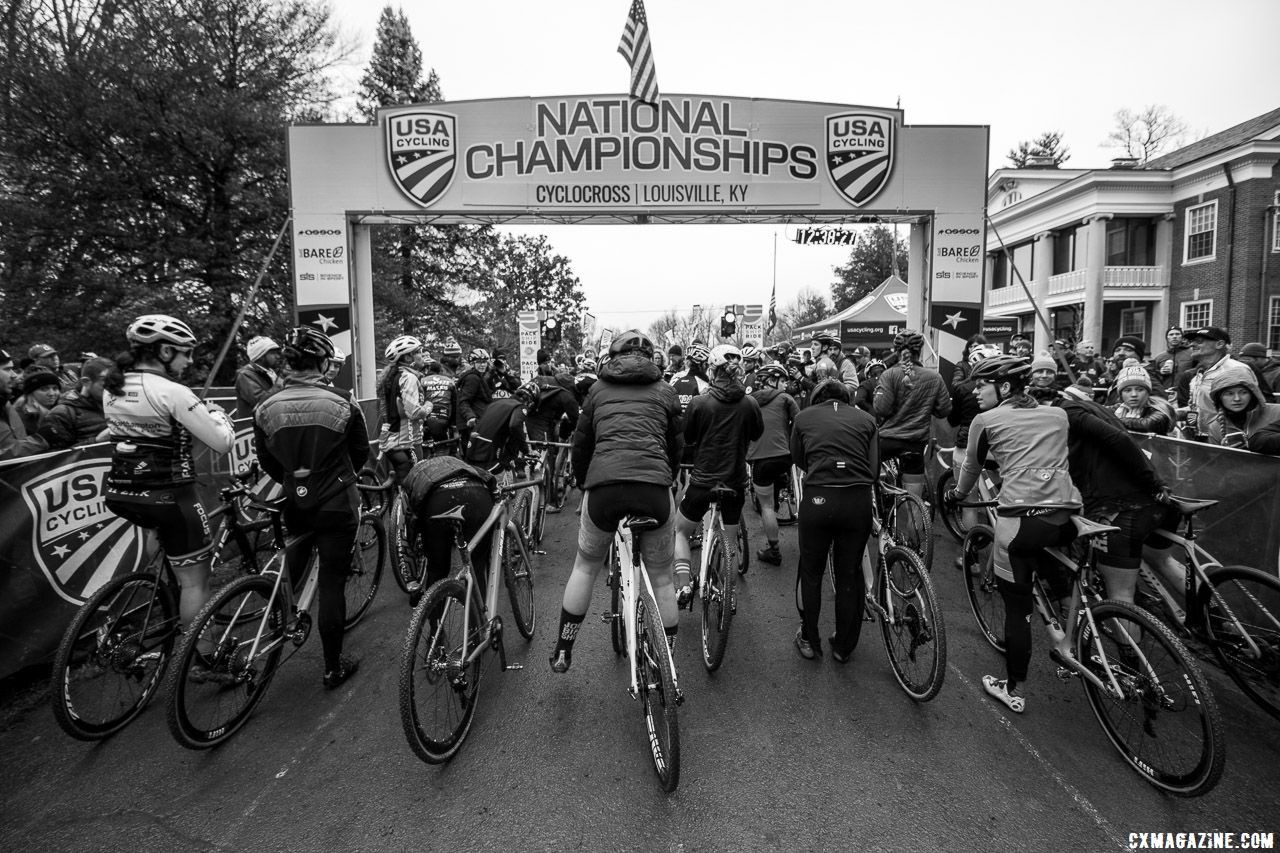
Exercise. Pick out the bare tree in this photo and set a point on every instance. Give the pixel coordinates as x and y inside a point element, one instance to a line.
<point>1146,134</point>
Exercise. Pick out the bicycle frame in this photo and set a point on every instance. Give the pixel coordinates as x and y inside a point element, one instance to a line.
<point>631,565</point>
<point>711,521</point>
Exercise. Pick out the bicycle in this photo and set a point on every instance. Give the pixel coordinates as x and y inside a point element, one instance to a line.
<point>1234,610</point>
<point>452,627</point>
<point>786,499</point>
<point>114,653</point>
<point>952,516</point>
<point>637,632</point>
<point>1147,694</point>
<point>247,625</point>
<point>557,477</point>
<point>905,514</point>
<point>716,586</point>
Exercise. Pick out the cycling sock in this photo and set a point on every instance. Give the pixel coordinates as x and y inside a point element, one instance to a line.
<point>682,568</point>
<point>671,637</point>
<point>569,625</point>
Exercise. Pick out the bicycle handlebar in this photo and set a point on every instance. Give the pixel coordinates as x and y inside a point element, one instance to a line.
<point>520,484</point>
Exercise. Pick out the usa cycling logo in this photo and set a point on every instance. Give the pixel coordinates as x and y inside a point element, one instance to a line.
<point>77,542</point>
<point>422,153</point>
<point>860,149</point>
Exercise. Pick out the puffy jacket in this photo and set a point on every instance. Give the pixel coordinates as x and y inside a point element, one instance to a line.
<point>835,444</point>
<point>778,409</point>
<point>1199,402</point>
<point>499,435</point>
<point>1029,443</point>
<point>720,425</point>
<point>474,395</point>
<point>554,402</point>
<point>630,427</point>
<point>906,400</point>
<point>1107,466</point>
<point>1156,416</point>
<point>76,420</point>
<point>1266,439</point>
<point>253,384</point>
<point>423,478</point>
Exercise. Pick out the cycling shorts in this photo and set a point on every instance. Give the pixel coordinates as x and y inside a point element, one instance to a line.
<point>1137,528</point>
<point>175,514</point>
<point>771,472</point>
<point>604,506</point>
<point>697,500</point>
<point>910,454</point>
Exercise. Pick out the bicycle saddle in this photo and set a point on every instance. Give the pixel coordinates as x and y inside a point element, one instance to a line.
<point>641,523</point>
<point>1188,506</point>
<point>454,514</point>
<point>1085,527</point>
<point>722,492</point>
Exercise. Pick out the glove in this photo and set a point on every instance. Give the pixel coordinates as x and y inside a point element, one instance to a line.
<point>952,496</point>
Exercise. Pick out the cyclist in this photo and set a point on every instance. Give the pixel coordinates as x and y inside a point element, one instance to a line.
<point>451,358</point>
<point>312,438</point>
<point>690,384</point>
<point>770,454</point>
<point>153,421</point>
<point>798,384</point>
<point>553,416</point>
<point>435,486</point>
<point>719,427</point>
<point>865,396</point>
<point>499,439</point>
<point>441,391</point>
<point>752,358</point>
<point>830,360</point>
<point>400,403</point>
<point>675,361</point>
<point>834,443</point>
<point>626,451</point>
<point>908,394</point>
<point>964,408</point>
<point>1036,501</point>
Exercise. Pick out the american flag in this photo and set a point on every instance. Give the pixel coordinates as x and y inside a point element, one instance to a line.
<point>773,309</point>
<point>638,51</point>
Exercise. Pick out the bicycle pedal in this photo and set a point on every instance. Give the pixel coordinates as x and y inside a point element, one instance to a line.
<point>538,551</point>
<point>608,617</point>
<point>512,666</point>
<point>1065,674</point>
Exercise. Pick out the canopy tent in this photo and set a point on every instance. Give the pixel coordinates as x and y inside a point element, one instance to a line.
<point>871,321</point>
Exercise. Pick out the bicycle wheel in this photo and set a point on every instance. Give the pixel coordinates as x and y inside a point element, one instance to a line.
<point>786,506</point>
<point>365,574</point>
<point>911,526</point>
<point>538,522</point>
<point>563,478</point>
<point>517,573</point>
<point>523,512</point>
<point>618,625</point>
<point>1165,723</point>
<point>438,686</point>
<point>717,604</point>
<point>951,514</point>
<point>744,547</point>
<point>374,501</point>
<point>978,558</point>
<point>1242,605</point>
<point>915,640</point>
<point>112,656</point>
<point>408,562</point>
<point>212,693</point>
<point>657,680</point>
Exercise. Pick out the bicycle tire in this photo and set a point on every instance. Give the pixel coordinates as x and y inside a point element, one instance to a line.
<point>618,627</point>
<point>717,604</point>
<point>112,656</point>
<point>408,563</point>
<point>523,512</point>
<point>1162,688</point>
<point>916,641</point>
<point>1253,599</point>
<point>539,512</point>
<point>204,712</point>
<point>952,515</point>
<point>371,501</point>
<point>978,564</point>
<point>438,689</point>
<point>517,574</point>
<point>364,576</point>
<point>787,507</point>
<point>657,682</point>
<point>564,475</point>
<point>744,547</point>
<point>911,526</point>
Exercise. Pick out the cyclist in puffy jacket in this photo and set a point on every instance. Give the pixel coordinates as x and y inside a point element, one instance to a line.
<point>154,422</point>
<point>908,396</point>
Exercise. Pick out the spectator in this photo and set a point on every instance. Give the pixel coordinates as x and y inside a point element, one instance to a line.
<point>1088,364</point>
<point>1177,358</point>
<point>502,382</point>
<point>1020,345</point>
<point>1265,370</point>
<point>1043,387</point>
<point>45,357</point>
<point>335,366</point>
<point>1239,409</point>
<point>675,361</point>
<point>1138,410</point>
<point>14,441</point>
<point>40,392</point>
<point>69,373</point>
<point>1128,349</point>
<point>961,372</point>
<point>257,379</point>
<point>77,419</point>
<point>1211,347</point>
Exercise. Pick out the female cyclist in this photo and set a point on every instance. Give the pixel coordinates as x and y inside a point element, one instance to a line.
<point>154,420</point>
<point>400,404</point>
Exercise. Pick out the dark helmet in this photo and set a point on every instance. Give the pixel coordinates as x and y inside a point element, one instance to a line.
<point>529,391</point>
<point>829,389</point>
<point>308,341</point>
<point>913,341</point>
<point>631,341</point>
<point>1002,368</point>
<point>827,339</point>
<point>772,372</point>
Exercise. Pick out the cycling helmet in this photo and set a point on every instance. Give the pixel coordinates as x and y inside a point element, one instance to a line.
<point>632,340</point>
<point>160,329</point>
<point>723,354</point>
<point>874,364</point>
<point>826,339</point>
<point>338,354</point>
<point>829,389</point>
<point>698,353</point>
<point>750,352</point>
<point>402,346</point>
<point>1003,368</point>
<point>479,354</point>
<point>529,391</point>
<point>451,348</point>
<point>771,372</point>
<point>982,352</point>
<point>913,341</point>
<point>260,346</point>
<point>309,341</point>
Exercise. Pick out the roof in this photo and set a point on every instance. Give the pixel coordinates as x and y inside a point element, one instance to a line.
<point>878,306</point>
<point>1221,141</point>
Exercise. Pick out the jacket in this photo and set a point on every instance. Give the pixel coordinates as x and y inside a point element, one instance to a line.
<point>401,407</point>
<point>964,408</point>
<point>778,410</point>
<point>312,438</point>
<point>835,444</point>
<point>905,401</point>
<point>1107,466</point>
<point>1181,356</point>
<point>630,429</point>
<point>76,420</point>
<point>1157,416</point>
<point>14,441</point>
<point>1199,403</point>
<point>474,395</point>
<point>1029,443</point>
<point>1234,431</point>
<point>423,478</point>
<point>253,383</point>
<point>499,435</point>
<point>554,402</point>
<point>720,425</point>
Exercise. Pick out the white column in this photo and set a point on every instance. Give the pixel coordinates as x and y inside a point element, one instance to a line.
<point>1160,312</point>
<point>362,306</point>
<point>1096,255</point>
<point>1043,263</point>
<point>917,275</point>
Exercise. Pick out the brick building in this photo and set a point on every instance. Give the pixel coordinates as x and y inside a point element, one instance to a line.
<point>1191,237</point>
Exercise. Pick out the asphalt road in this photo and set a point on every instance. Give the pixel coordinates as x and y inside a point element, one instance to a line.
<point>777,753</point>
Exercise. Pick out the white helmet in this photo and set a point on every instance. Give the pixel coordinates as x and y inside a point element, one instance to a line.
<point>751,352</point>
<point>981,351</point>
<point>160,328</point>
<point>402,346</point>
<point>722,354</point>
<point>260,346</point>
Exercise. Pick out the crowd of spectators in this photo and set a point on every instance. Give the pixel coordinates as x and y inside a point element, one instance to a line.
<point>47,403</point>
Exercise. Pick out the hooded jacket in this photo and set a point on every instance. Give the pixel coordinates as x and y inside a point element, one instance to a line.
<point>1222,427</point>
<point>906,400</point>
<point>1109,469</point>
<point>719,426</point>
<point>629,430</point>
<point>778,410</point>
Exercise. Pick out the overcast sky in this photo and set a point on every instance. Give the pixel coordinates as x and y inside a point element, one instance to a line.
<point>1019,67</point>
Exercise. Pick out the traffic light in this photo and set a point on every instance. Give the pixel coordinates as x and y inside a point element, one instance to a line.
<point>551,330</point>
<point>728,323</point>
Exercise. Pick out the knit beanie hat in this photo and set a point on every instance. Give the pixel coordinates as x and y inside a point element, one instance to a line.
<point>1138,344</point>
<point>1133,376</point>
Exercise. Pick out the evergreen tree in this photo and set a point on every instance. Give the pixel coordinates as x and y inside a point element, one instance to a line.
<point>394,75</point>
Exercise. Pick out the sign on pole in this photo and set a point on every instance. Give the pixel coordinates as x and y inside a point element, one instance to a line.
<point>528,343</point>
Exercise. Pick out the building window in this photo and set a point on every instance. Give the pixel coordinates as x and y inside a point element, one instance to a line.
<point>1133,321</point>
<point>1197,315</point>
<point>1275,231</point>
<point>1273,325</point>
<point>1130,243</point>
<point>1202,223</point>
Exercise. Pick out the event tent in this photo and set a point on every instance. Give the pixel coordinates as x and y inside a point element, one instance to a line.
<point>883,309</point>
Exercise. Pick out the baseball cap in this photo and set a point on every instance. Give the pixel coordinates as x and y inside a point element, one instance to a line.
<point>1213,333</point>
<point>1254,350</point>
<point>40,351</point>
